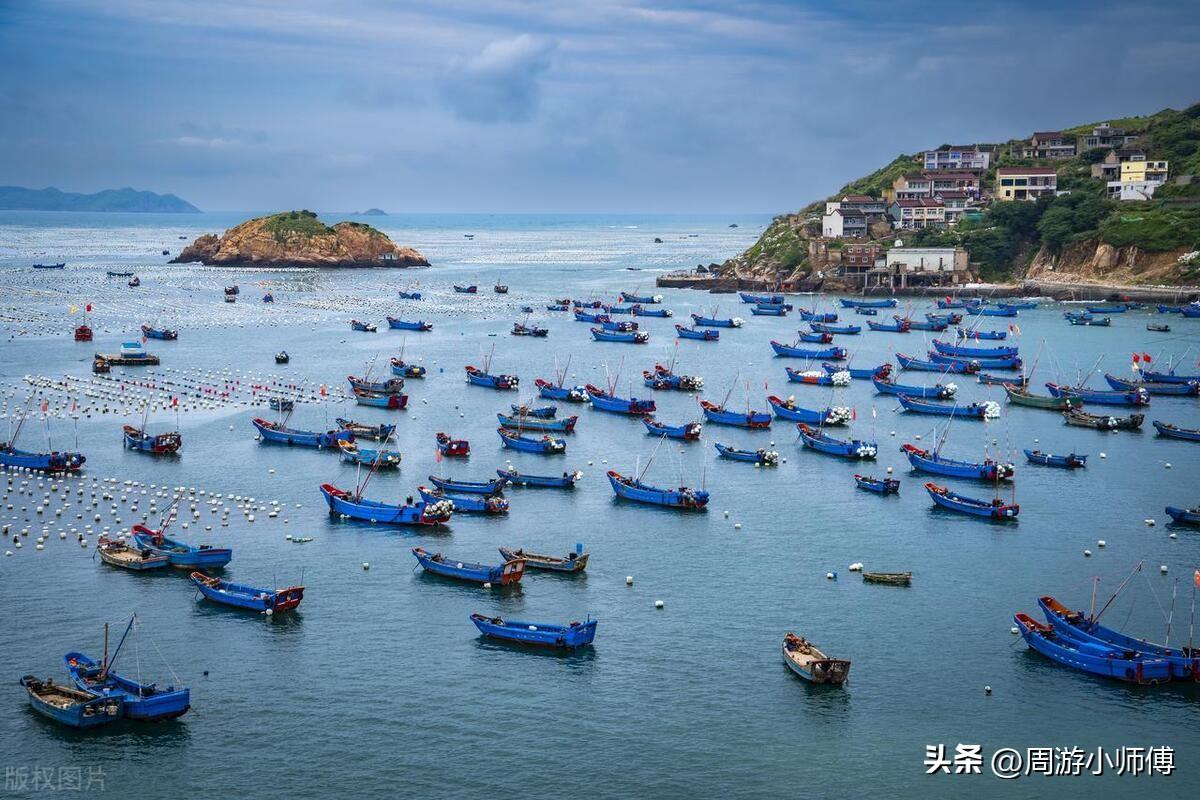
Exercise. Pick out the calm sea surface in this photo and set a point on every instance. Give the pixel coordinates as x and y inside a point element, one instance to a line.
<point>380,685</point>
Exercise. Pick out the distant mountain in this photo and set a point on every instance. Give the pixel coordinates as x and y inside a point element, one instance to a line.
<point>18,198</point>
<point>374,212</point>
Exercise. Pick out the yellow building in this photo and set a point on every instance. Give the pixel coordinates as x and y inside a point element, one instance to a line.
<point>1025,183</point>
<point>1143,171</point>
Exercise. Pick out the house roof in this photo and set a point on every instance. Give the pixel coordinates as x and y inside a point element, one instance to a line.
<point>953,194</point>
<point>1047,135</point>
<point>919,203</point>
<point>1026,171</point>
<point>850,212</point>
<point>914,176</point>
<point>860,198</point>
<point>950,175</point>
<point>966,148</point>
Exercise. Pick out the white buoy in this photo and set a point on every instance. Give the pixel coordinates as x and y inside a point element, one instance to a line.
<point>269,612</point>
<point>1087,553</point>
<point>987,690</point>
<point>1163,569</point>
<point>1149,522</point>
<point>1173,536</point>
<point>1167,465</point>
<point>1104,455</point>
<point>487,585</point>
<point>366,565</point>
<point>629,580</point>
<point>1014,630</point>
<point>726,515</point>
<point>1101,543</point>
<point>658,603</point>
<point>737,526</point>
<point>828,576</point>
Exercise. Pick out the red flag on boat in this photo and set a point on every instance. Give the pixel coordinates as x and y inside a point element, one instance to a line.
<point>1136,358</point>
<point>323,394</point>
<point>1196,578</point>
<point>88,307</point>
<point>1146,357</point>
<point>175,401</point>
<point>45,406</point>
<point>853,414</point>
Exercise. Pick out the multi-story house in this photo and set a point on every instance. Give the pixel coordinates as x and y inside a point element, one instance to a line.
<point>912,186</point>
<point>958,157</point>
<point>955,203</point>
<point>927,266</point>
<point>873,207</point>
<point>1137,180</point>
<point>1109,169</point>
<point>1104,135</point>
<point>951,181</point>
<point>1049,144</point>
<point>858,258</point>
<point>1025,183</point>
<point>847,223</point>
<point>914,214</point>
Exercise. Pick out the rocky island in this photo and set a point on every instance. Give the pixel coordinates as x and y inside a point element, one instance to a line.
<point>300,239</point>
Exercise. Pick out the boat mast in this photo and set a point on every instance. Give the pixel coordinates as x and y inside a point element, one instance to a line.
<point>1171,616</point>
<point>104,663</point>
<point>1092,609</point>
<point>1136,570</point>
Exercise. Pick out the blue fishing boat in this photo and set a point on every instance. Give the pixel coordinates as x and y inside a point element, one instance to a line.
<point>564,425</point>
<point>558,307</point>
<point>1162,309</point>
<point>361,430</point>
<point>1170,389</point>
<point>817,317</point>
<point>612,309</point>
<point>569,637</point>
<point>969,411</point>
<point>891,302</point>
<point>1009,362</point>
<point>918,325</point>
<point>993,509</point>
<point>605,401</point>
<point>748,419</point>
<point>937,464</point>
<point>566,481</point>
<point>158,444</point>
<point>1000,380</point>
<point>403,370</point>
<point>556,391</point>
<point>479,377</point>
<point>791,351</point>
<point>508,573</point>
<point>901,326</point>
<point>701,334</point>
<point>180,554</point>
<point>141,701</point>
<point>639,311</point>
<point>472,289</point>
<point>166,334</point>
<point>352,504</point>
<point>404,325</point>
<point>944,304</point>
<point>882,371</point>
<point>1020,305</point>
<point>987,311</point>
<point>936,392</point>
<point>394,402</point>
<point>689,431</point>
<point>572,563</point>
<point>377,459</point>
<point>825,327</point>
<point>767,458</point>
<point>762,299</point>
<point>1184,516</point>
<point>408,295</point>
<point>769,311</point>
<point>816,337</point>
<point>542,412</point>
<point>640,299</point>
<point>623,337</point>
<point>1168,377</point>
<point>546,445</point>
<point>717,322</point>
<point>1175,432</point>
<point>1070,461</point>
<point>1087,320</point>
<point>960,351</point>
<point>947,319</point>
<point>867,312</point>
<point>628,488</point>
<point>389,386</point>
<point>811,377</point>
<point>586,303</point>
<point>595,319</point>
<point>249,598</point>
<point>494,486</point>
<point>877,485</point>
<point>683,383</point>
<point>957,366</point>
<point>1088,656</point>
<point>280,433</point>
<point>815,439</point>
<point>45,462</point>
<point>963,333</point>
<point>787,409</point>
<point>1134,397</point>
<point>466,504</point>
<point>362,327</point>
<point>71,707</point>
<point>1115,308</point>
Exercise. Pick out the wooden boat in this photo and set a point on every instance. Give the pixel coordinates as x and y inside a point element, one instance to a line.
<point>83,334</point>
<point>720,415</point>
<point>1175,432</point>
<point>377,459</point>
<point>54,461</point>
<point>1023,397</point>
<point>845,330</point>
<point>70,707</point>
<point>140,701</point>
<point>629,488</point>
<point>623,337</point>
<point>1168,389</point>
<point>454,448</point>
<point>935,392</point>
<point>158,444</point>
<point>662,313</point>
<point>363,327</point>
<point>937,464</point>
<point>767,458</point>
<point>508,573</point>
<point>565,425</point>
<point>814,439</point>
<point>889,578</point>
<point>404,325</point>
<point>961,351</point>
<point>606,401</point>
<point>1168,377</point>
<point>803,658</point>
<point>891,302</point>
<point>1070,461</point>
<point>361,430</point>
<point>569,637</point>
<point>395,402</point>
<point>788,410</point>
<point>957,366</point>
<point>280,433</point>
<point>282,357</point>
<point>903,326</point>
<point>166,334</point>
<point>877,485</point>
<point>100,365</point>
<point>1110,662</point>
<point>551,391</point>
<point>566,481</point>
<point>769,311</point>
<point>994,509</point>
<point>1082,419</point>
<point>717,322</point>
<point>640,299</point>
<point>472,289</point>
<point>1135,397</point>
<point>466,504</point>
<point>572,562</point>
<point>988,379</point>
<point>353,505</point>
<point>700,334</point>
<point>251,598</point>
<point>180,554</point>
<point>791,351</point>
<point>547,445</point>
<point>964,333</point>
<point>494,486</point>
<point>968,411</point>
<point>689,431</point>
<point>1184,516</point>
<point>478,377</point>
<point>118,554</point>
<point>500,288</point>
<point>521,329</point>
<point>882,371</point>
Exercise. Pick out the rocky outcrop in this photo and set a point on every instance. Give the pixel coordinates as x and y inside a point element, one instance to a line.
<point>299,239</point>
<point>1093,260</point>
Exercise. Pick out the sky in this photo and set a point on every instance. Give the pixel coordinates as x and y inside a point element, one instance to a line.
<point>517,106</point>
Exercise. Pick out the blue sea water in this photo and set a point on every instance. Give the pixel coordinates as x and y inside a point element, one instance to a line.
<point>380,685</point>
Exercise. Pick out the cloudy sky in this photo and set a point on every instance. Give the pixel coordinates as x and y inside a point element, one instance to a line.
<point>518,105</point>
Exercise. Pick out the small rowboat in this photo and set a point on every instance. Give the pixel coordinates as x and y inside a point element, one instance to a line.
<point>825,327</point>
<point>469,487</point>
<point>788,410</point>
<point>1023,397</point>
<point>1107,661</point>
<point>181,554</point>
<point>568,394</point>
<point>546,445</point>
<point>937,464</point>
<point>142,701</point>
<point>478,377</point>
<point>158,444</point>
<point>767,458</point>
<point>1074,416</point>
<point>363,327</point>
<point>689,431</point>
<point>569,636</point>
<point>166,334</point>
<point>402,325</point>
<point>936,392</point>
<point>769,311</point>
<point>902,326</point>
<point>993,509</point>
<point>628,488</point>
<point>71,707</point>
<point>791,351</point>
<point>45,462</point>
<point>250,598</point>
<point>882,371</point>
<point>466,504</point>
<point>803,658</point>
<point>453,448</point>
<point>566,481</point>
<point>888,578</point>
<point>969,411</point>
<point>604,401</point>
<point>521,329</point>
<point>280,433</point>
<point>1184,516</point>
<point>1169,389</point>
<point>700,334</point>
<point>394,402</point>
<point>891,302</point>
<point>646,300</point>
<point>622,337</point>
<point>472,289</point>
<point>407,370</point>
<point>572,562</point>
<point>1134,397</point>
<point>814,439</point>
<point>565,425</point>
<point>354,506</point>
<point>118,554</point>
<point>639,311</point>
<point>361,430</point>
<point>877,485</point>
<point>1071,461</point>
<point>379,459</point>
<point>717,322</point>
<point>1175,432</point>
<point>505,574</point>
<point>721,416</point>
